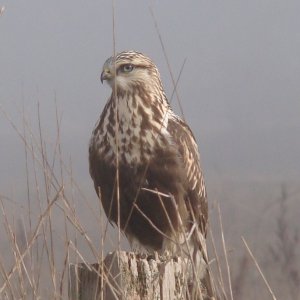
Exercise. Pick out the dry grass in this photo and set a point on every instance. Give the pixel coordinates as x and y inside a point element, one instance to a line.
<point>45,232</point>
<point>40,253</point>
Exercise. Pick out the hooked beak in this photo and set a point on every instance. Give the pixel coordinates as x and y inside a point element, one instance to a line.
<point>106,75</point>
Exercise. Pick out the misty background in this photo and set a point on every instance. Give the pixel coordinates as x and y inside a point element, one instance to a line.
<point>239,89</point>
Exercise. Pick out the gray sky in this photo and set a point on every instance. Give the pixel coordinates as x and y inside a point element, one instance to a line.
<point>240,88</point>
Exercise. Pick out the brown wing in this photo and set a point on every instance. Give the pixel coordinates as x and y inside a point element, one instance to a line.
<point>183,138</point>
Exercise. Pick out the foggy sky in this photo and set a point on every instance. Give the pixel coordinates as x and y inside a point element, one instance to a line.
<point>240,87</point>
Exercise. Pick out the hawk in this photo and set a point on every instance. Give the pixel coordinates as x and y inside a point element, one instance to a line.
<point>144,162</point>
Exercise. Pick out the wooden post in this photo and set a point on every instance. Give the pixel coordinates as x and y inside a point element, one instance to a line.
<point>127,275</point>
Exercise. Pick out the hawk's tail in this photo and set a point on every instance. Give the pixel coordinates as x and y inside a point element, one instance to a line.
<point>200,272</point>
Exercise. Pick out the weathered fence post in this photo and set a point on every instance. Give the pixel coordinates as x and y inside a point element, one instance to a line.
<point>127,275</point>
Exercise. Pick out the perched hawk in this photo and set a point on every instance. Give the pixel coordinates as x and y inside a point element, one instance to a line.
<point>145,163</point>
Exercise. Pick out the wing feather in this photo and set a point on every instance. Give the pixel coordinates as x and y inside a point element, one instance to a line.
<point>184,140</point>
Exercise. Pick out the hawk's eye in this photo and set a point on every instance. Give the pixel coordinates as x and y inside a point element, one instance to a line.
<point>127,68</point>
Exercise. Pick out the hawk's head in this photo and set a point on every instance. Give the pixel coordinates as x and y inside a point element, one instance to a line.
<point>130,69</point>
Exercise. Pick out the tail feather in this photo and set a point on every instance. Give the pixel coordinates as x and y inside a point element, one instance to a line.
<point>200,272</point>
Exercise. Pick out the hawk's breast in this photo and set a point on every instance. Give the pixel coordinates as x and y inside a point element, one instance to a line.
<point>130,131</point>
